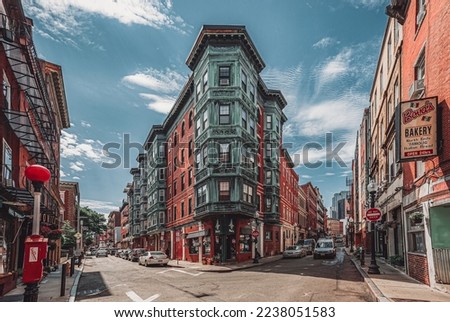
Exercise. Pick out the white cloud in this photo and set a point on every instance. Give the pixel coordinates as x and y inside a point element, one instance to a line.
<point>85,124</point>
<point>72,147</point>
<point>66,20</point>
<point>325,42</point>
<point>306,176</point>
<point>334,67</point>
<point>76,178</point>
<point>104,207</point>
<point>165,85</point>
<point>342,113</point>
<point>62,174</point>
<point>329,174</point>
<point>371,4</point>
<point>77,166</point>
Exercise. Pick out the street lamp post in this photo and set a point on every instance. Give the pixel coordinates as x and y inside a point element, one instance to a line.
<point>373,267</point>
<point>35,245</point>
<point>351,230</point>
<point>255,235</point>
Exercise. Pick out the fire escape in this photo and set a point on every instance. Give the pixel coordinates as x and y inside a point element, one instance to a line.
<point>32,121</point>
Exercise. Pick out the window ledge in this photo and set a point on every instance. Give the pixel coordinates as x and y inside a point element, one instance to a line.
<point>417,254</point>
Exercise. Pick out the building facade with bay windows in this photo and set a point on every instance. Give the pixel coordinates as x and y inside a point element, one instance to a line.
<point>215,168</point>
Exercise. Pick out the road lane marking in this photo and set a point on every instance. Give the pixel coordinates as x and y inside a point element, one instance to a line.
<point>180,271</point>
<point>136,298</point>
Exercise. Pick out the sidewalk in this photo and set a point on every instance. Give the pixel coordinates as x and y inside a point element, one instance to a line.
<point>49,288</point>
<point>393,285</point>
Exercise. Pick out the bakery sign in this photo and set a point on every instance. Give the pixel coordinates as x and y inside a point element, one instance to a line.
<point>418,129</point>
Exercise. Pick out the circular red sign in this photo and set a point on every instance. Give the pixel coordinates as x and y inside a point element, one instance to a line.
<point>255,233</point>
<point>373,214</point>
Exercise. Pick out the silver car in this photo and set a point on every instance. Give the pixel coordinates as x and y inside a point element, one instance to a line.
<point>101,253</point>
<point>153,258</point>
<point>295,251</point>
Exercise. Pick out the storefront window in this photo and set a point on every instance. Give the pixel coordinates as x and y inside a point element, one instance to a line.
<point>245,242</point>
<point>193,245</point>
<point>416,234</point>
<point>207,244</point>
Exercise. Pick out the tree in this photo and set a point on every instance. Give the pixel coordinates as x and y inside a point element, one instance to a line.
<point>68,236</point>
<point>94,223</point>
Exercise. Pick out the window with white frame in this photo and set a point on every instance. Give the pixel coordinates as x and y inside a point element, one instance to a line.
<point>252,92</point>
<point>7,161</point>
<point>205,120</point>
<point>248,193</point>
<point>162,195</point>
<point>396,93</point>
<point>244,81</point>
<point>224,190</point>
<point>419,68</point>
<point>6,92</point>
<point>224,114</point>
<point>268,122</point>
<point>244,119</point>
<point>198,90</point>
<point>205,81</point>
<point>269,177</point>
<point>268,203</point>
<point>268,150</point>
<point>224,152</point>
<point>224,76</point>
<point>252,126</point>
<point>421,11</point>
<point>201,195</point>
<point>198,128</point>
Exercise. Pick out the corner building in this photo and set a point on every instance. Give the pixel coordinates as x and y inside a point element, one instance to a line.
<point>214,164</point>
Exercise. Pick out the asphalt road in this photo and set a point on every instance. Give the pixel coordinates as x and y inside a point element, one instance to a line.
<point>288,280</point>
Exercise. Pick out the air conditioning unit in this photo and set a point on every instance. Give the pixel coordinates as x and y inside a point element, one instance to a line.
<point>417,88</point>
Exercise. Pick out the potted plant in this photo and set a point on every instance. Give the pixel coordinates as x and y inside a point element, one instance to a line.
<point>416,217</point>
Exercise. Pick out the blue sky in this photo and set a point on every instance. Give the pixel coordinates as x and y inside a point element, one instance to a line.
<point>124,65</point>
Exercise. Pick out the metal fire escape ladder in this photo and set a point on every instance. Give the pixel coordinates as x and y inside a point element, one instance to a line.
<point>35,126</point>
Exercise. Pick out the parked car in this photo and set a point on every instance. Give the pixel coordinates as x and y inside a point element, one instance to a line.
<point>119,251</point>
<point>153,258</point>
<point>295,251</point>
<point>125,253</point>
<point>101,253</point>
<point>308,244</point>
<point>135,254</point>
<point>325,248</point>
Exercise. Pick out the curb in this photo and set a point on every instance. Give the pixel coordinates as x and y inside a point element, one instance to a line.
<point>376,294</point>
<point>73,290</point>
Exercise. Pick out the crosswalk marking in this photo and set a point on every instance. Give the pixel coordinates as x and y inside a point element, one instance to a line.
<point>136,298</point>
<point>180,271</point>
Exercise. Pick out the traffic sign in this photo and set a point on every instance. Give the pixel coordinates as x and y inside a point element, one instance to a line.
<point>373,214</point>
<point>255,234</point>
<point>77,235</point>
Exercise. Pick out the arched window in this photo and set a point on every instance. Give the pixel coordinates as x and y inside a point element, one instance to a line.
<point>175,139</point>
<point>191,119</point>
<point>182,129</point>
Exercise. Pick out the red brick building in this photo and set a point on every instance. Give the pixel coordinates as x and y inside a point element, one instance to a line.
<point>426,181</point>
<point>33,113</point>
<point>311,209</point>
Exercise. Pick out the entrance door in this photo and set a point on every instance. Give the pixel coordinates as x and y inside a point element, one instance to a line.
<point>440,242</point>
